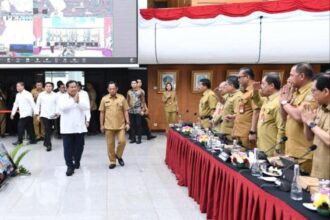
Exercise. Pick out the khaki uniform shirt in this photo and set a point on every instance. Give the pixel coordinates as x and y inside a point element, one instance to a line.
<point>92,99</point>
<point>297,143</point>
<point>230,107</point>
<point>207,103</point>
<point>271,127</point>
<point>243,120</point>
<point>35,93</point>
<point>114,110</point>
<point>321,157</point>
<point>170,103</point>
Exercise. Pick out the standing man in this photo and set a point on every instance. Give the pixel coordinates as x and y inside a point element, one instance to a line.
<point>291,105</point>
<point>46,112</point>
<point>60,92</point>
<point>207,103</point>
<point>114,120</point>
<point>38,126</point>
<point>24,102</point>
<point>136,103</point>
<point>317,126</point>
<point>72,109</point>
<point>245,124</point>
<point>271,127</point>
<point>221,95</point>
<point>93,128</point>
<point>3,98</point>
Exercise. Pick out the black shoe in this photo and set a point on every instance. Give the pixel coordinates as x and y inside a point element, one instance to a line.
<point>49,148</point>
<point>17,143</point>
<point>151,137</point>
<point>132,141</point>
<point>33,142</point>
<point>112,166</point>
<point>138,142</point>
<point>40,139</point>
<point>76,165</point>
<point>121,161</point>
<point>69,171</point>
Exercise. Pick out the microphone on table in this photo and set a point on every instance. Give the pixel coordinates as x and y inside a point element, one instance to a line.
<point>309,150</point>
<point>262,155</point>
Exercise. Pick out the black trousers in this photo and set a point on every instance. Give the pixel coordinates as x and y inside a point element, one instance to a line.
<point>136,126</point>
<point>93,124</point>
<point>57,126</point>
<point>48,125</point>
<point>73,148</point>
<point>25,124</point>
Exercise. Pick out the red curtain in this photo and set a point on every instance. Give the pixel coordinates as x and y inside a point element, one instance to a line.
<point>236,10</point>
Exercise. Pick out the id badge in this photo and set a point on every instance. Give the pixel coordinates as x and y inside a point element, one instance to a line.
<point>241,108</point>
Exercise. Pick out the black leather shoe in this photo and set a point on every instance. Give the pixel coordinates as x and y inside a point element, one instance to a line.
<point>17,143</point>
<point>121,161</point>
<point>49,148</point>
<point>69,171</point>
<point>151,137</point>
<point>77,165</point>
<point>112,166</point>
<point>138,141</point>
<point>132,141</point>
<point>33,142</point>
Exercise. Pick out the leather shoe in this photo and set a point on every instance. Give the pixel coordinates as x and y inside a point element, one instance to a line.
<point>69,171</point>
<point>138,142</point>
<point>17,143</point>
<point>76,165</point>
<point>151,137</point>
<point>112,166</point>
<point>132,141</point>
<point>121,161</point>
<point>33,142</point>
<point>49,148</point>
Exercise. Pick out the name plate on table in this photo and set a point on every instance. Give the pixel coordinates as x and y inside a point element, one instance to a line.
<point>224,156</point>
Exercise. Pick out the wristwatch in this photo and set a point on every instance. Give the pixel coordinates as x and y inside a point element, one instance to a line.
<point>284,102</point>
<point>312,125</point>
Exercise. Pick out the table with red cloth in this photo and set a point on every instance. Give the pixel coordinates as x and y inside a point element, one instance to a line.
<point>222,191</point>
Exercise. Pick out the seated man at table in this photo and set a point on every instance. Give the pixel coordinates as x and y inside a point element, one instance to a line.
<point>317,126</point>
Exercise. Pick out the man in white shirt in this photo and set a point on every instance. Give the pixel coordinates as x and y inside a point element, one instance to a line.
<point>46,111</point>
<point>72,110</point>
<point>59,92</point>
<point>24,102</point>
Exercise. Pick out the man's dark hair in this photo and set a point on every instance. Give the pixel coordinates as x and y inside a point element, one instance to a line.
<point>50,83</point>
<point>322,81</point>
<point>248,72</point>
<point>70,82</point>
<point>79,84</point>
<point>274,78</point>
<point>112,82</point>
<point>133,80</point>
<point>21,83</point>
<point>206,82</point>
<point>59,83</point>
<point>233,80</point>
<point>39,81</point>
<point>306,69</point>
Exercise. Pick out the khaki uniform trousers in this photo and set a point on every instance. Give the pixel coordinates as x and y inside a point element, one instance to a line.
<point>111,142</point>
<point>245,142</point>
<point>170,118</point>
<point>38,128</point>
<point>2,124</point>
<point>205,123</point>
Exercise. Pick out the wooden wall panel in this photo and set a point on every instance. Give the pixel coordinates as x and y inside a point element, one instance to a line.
<point>188,101</point>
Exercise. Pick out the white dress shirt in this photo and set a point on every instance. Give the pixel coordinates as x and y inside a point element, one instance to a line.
<point>25,103</point>
<point>46,105</point>
<point>59,94</point>
<point>84,95</point>
<point>72,114</point>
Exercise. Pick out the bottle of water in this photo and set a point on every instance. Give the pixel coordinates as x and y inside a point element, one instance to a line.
<point>296,190</point>
<point>209,139</point>
<point>255,169</point>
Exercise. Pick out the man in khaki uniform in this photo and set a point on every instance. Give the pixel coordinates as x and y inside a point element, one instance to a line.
<point>271,127</point>
<point>291,106</point>
<point>317,127</point>
<point>207,103</point>
<point>245,124</point>
<point>231,106</point>
<point>37,124</point>
<point>220,93</point>
<point>93,128</point>
<point>114,120</point>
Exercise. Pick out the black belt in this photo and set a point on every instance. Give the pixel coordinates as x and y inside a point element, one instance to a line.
<point>206,117</point>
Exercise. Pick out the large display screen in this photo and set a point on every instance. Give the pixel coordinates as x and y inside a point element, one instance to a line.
<point>41,32</point>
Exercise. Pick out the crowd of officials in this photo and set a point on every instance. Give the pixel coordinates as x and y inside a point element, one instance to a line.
<point>279,120</point>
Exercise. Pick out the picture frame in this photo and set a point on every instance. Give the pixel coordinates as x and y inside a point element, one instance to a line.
<point>197,75</point>
<point>279,72</point>
<point>164,76</point>
<point>232,72</point>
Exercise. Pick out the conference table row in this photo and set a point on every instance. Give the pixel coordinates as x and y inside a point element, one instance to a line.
<point>223,191</point>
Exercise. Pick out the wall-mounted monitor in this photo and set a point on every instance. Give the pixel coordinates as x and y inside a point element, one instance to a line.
<point>78,33</point>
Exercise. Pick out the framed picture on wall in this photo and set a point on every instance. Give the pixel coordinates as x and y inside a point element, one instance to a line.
<point>279,72</point>
<point>197,75</point>
<point>166,76</point>
<point>232,73</point>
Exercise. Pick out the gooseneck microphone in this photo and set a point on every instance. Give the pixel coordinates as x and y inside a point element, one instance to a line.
<point>262,155</point>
